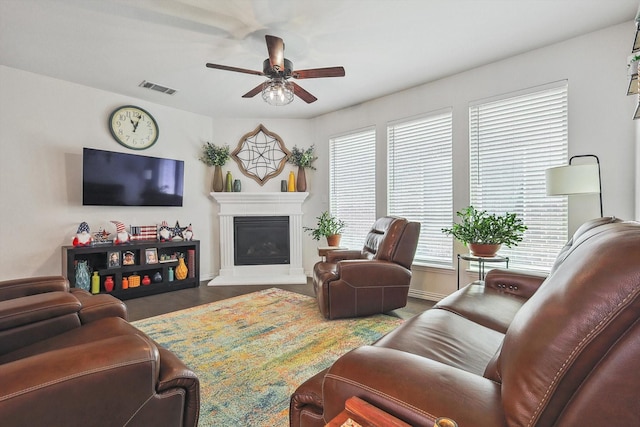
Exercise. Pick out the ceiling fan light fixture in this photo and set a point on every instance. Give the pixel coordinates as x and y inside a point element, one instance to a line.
<point>277,92</point>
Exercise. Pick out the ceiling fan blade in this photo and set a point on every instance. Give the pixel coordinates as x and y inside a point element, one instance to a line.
<point>236,69</point>
<point>303,94</point>
<point>315,73</point>
<point>253,92</point>
<point>275,46</point>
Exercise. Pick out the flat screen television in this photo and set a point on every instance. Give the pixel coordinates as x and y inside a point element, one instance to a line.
<point>121,179</point>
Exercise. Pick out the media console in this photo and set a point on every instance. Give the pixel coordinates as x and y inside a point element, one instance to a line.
<point>134,261</point>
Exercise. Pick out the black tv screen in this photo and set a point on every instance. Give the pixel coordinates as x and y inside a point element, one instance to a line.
<point>121,179</point>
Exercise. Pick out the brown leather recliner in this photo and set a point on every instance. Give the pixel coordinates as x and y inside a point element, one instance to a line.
<point>70,358</point>
<point>519,349</point>
<point>352,283</point>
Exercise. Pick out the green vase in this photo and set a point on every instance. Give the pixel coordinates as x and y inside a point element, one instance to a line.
<point>229,183</point>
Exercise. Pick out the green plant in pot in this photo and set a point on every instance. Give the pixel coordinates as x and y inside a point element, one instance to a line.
<point>484,233</point>
<point>328,226</point>
<point>215,156</point>
<point>303,159</point>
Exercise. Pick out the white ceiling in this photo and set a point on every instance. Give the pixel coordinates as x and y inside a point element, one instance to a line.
<point>384,45</point>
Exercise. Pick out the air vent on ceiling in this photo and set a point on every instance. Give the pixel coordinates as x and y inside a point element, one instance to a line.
<point>159,88</point>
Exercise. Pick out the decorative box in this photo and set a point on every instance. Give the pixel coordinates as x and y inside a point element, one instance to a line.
<point>134,281</point>
<point>144,232</point>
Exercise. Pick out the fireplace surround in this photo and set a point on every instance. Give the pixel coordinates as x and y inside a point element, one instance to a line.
<point>267,204</point>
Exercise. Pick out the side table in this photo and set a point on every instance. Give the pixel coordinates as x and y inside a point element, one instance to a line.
<point>358,413</point>
<point>481,261</point>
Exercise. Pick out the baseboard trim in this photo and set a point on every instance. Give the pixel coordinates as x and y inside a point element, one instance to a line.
<point>429,296</point>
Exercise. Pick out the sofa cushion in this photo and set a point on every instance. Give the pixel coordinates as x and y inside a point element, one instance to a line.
<point>446,337</point>
<point>485,306</point>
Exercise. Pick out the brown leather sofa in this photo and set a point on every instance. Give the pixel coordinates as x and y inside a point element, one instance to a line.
<point>69,358</point>
<point>518,349</point>
<point>376,279</point>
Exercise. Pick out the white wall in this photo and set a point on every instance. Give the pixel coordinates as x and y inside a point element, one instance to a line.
<point>44,123</point>
<point>599,123</point>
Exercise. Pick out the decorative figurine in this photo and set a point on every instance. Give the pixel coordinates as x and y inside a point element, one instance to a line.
<point>178,232</point>
<point>83,235</point>
<point>101,237</point>
<point>164,232</point>
<point>188,234</point>
<point>122,235</point>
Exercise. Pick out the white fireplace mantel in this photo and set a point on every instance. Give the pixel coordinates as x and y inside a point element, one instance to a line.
<point>260,204</point>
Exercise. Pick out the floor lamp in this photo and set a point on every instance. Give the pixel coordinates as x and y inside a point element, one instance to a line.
<point>575,179</point>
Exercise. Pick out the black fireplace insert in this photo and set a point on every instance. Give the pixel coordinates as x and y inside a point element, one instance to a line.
<point>261,240</point>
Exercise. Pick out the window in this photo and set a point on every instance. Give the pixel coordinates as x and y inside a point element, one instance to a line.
<point>420,186</point>
<point>513,141</point>
<point>352,178</point>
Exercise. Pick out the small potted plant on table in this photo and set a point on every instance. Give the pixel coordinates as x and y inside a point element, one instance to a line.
<point>484,233</point>
<point>328,226</point>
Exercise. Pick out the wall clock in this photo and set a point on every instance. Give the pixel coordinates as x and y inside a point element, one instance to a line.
<point>133,127</point>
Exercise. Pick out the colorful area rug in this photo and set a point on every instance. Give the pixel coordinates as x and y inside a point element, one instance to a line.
<point>251,352</point>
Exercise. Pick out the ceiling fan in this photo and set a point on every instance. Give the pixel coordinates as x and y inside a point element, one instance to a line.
<point>279,70</point>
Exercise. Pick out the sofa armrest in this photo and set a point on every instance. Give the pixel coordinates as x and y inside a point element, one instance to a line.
<point>429,389</point>
<point>16,288</point>
<point>175,374</point>
<point>343,254</point>
<point>517,282</point>
<point>110,379</point>
<point>98,306</point>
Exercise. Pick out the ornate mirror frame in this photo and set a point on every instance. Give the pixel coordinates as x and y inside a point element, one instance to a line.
<point>261,154</point>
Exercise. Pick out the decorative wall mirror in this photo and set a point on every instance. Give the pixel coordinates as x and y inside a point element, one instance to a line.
<point>261,154</point>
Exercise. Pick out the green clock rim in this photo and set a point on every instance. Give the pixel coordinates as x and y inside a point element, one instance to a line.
<point>124,144</point>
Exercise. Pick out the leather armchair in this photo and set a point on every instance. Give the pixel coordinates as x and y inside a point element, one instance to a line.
<point>70,358</point>
<point>376,279</point>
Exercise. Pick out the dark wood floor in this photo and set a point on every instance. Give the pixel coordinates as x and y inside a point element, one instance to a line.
<point>141,308</point>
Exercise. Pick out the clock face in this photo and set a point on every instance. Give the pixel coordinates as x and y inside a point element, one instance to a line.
<point>133,127</point>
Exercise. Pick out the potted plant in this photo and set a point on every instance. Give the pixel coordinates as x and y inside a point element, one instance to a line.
<point>484,233</point>
<point>328,226</point>
<point>303,159</point>
<point>215,156</point>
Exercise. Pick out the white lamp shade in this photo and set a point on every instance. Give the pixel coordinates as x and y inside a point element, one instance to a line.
<point>573,179</point>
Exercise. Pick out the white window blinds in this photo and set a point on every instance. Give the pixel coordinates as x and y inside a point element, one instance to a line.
<point>352,184</point>
<point>420,183</point>
<point>512,142</point>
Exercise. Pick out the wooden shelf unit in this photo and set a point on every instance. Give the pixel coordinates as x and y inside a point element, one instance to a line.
<point>96,256</point>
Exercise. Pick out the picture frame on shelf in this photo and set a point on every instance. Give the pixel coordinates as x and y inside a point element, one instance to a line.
<point>151,255</point>
<point>129,258</point>
<point>113,259</point>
